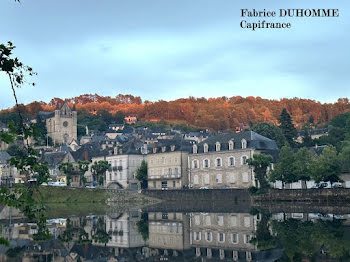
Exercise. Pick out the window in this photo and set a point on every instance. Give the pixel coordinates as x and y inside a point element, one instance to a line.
<point>176,171</point>
<point>154,184</point>
<point>247,221</point>
<point>164,215</point>
<point>206,179</point>
<point>219,178</point>
<point>205,148</point>
<point>164,184</point>
<point>221,237</point>
<point>197,236</point>
<point>232,178</point>
<point>247,239</point>
<point>174,183</point>
<point>220,220</point>
<point>208,236</point>
<point>208,220</point>
<point>231,161</point>
<point>245,178</point>
<point>234,238</point>
<point>170,171</point>
<point>244,160</point>
<point>196,219</point>
<point>244,143</point>
<point>234,221</point>
<point>195,163</point>
<point>218,162</point>
<point>206,163</point>
<point>217,146</point>
<point>195,180</point>
<point>230,145</point>
<point>194,149</point>
<point>110,176</point>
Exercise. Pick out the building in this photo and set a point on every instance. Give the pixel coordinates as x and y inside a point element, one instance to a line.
<point>226,235</point>
<point>124,162</point>
<point>221,161</point>
<point>167,165</point>
<point>130,119</point>
<point>8,173</point>
<point>169,231</point>
<point>62,124</point>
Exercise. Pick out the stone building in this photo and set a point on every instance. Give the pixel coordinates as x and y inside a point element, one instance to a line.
<point>167,165</point>
<point>223,236</point>
<point>221,161</point>
<point>169,231</point>
<point>62,124</point>
<point>124,162</point>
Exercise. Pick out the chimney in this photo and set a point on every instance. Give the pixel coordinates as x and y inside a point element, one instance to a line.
<point>86,156</point>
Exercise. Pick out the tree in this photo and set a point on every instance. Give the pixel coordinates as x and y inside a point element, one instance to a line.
<point>68,170</point>
<point>307,140</point>
<point>302,163</point>
<point>287,127</point>
<point>141,174</point>
<point>327,167</point>
<point>271,131</point>
<point>284,169</point>
<point>98,170</point>
<point>260,162</point>
<point>83,168</point>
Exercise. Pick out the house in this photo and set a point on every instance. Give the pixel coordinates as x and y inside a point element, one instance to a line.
<point>221,161</point>
<point>3,128</point>
<point>130,119</point>
<point>124,162</point>
<point>167,165</point>
<point>116,127</point>
<point>8,173</point>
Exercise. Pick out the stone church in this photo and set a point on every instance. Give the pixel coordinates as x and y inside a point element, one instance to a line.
<point>62,126</point>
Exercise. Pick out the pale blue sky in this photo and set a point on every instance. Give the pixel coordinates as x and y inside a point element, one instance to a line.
<point>167,49</point>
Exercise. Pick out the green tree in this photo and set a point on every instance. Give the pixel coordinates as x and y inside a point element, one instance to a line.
<point>287,127</point>
<point>83,168</point>
<point>271,131</point>
<point>284,169</point>
<point>307,140</point>
<point>327,167</point>
<point>99,169</point>
<point>345,156</point>
<point>302,162</point>
<point>68,170</point>
<point>260,162</point>
<point>99,234</point>
<point>141,174</point>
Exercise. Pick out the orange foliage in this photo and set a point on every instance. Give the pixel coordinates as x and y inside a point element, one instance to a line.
<point>222,113</point>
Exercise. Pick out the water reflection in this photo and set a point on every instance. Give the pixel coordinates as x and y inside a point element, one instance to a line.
<point>176,236</point>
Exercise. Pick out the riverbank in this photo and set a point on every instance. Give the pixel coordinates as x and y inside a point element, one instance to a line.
<point>68,195</point>
<point>324,196</point>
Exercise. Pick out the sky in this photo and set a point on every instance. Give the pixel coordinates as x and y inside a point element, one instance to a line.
<point>168,49</point>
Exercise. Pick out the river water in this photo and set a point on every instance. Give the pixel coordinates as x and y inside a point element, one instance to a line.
<point>160,234</point>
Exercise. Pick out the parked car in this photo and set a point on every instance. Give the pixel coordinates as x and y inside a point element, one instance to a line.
<point>204,187</point>
<point>322,185</point>
<point>57,184</point>
<point>337,185</point>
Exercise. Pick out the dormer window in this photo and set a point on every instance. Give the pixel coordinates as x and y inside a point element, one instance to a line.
<point>154,150</point>
<point>172,147</point>
<point>194,149</point>
<point>230,145</point>
<point>163,148</point>
<point>244,144</point>
<point>205,148</point>
<point>217,146</point>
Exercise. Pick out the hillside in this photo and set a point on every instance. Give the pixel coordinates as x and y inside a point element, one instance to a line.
<point>216,113</point>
